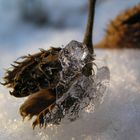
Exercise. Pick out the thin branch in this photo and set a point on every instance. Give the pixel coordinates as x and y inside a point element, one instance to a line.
<point>89,29</point>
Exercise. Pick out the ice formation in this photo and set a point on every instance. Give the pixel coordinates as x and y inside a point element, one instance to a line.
<point>80,92</point>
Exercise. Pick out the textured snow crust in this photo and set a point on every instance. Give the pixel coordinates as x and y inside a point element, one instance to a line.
<point>117,118</point>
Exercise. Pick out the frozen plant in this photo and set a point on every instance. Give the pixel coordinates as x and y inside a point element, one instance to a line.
<point>60,82</point>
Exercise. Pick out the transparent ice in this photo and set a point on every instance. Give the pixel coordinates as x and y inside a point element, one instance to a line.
<point>81,93</point>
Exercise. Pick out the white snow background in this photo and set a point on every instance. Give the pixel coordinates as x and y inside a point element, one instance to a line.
<point>117,118</point>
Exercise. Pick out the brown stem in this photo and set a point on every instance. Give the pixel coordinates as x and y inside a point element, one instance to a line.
<point>88,34</point>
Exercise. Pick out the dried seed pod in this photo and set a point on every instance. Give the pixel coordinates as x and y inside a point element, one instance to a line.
<point>123,31</point>
<point>59,81</point>
<point>28,77</point>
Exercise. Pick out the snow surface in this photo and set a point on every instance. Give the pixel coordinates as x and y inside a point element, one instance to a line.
<point>118,118</point>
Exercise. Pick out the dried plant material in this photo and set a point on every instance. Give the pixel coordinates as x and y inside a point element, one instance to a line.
<point>33,73</point>
<point>60,82</point>
<point>123,31</point>
<point>57,83</point>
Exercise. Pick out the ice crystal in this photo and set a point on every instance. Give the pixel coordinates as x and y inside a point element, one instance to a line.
<point>81,92</point>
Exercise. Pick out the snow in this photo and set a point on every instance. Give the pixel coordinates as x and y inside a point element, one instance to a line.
<point>117,118</point>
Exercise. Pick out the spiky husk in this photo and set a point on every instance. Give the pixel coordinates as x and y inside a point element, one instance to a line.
<point>34,72</point>
<point>123,31</point>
